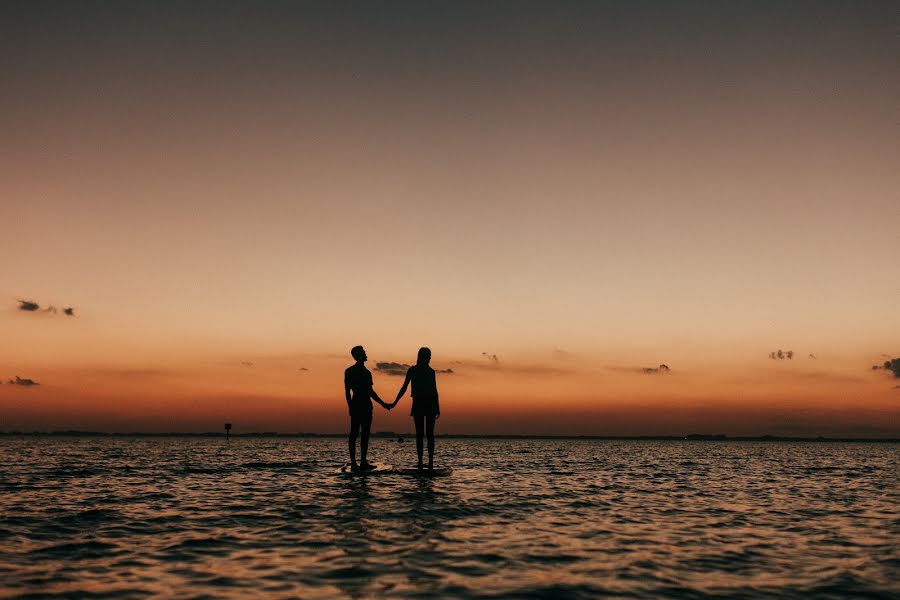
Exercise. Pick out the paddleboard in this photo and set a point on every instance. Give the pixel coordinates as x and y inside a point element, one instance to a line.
<point>380,469</point>
<point>436,472</point>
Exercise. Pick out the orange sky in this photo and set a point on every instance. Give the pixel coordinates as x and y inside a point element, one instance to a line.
<point>690,186</point>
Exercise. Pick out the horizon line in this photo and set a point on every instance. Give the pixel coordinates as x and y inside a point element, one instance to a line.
<point>393,434</point>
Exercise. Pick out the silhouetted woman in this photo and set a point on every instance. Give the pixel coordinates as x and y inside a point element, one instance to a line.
<point>425,406</point>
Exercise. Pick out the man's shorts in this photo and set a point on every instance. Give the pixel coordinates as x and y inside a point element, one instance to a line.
<point>361,412</point>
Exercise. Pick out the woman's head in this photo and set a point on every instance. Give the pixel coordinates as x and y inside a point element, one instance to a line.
<point>424,356</point>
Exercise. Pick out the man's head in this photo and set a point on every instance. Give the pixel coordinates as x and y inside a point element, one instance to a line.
<point>359,354</point>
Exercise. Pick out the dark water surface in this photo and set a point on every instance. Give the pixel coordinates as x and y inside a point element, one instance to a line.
<point>185,517</point>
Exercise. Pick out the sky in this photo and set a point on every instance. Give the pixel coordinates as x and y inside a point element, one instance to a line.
<point>553,197</point>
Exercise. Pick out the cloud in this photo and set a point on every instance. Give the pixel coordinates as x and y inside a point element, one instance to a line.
<point>491,357</point>
<point>246,363</point>
<point>392,368</point>
<point>811,355</point>
<point>782,354</point>
<point>25,382</point>
<point>303,369</point>
<point>31,306</point>
<point>892,365</point>
<point>400,369</point>
<point>28,305</point>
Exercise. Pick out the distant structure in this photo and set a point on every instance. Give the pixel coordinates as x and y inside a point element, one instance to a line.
<point>227,431</point>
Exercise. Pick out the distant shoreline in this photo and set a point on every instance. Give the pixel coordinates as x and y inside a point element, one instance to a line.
<point>390,435</point>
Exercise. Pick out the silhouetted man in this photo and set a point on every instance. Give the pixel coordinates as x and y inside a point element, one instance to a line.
<point>359,392</point>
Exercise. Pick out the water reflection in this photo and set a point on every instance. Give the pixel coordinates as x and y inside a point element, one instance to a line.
<point>352,537</point>
<point>516,518</point>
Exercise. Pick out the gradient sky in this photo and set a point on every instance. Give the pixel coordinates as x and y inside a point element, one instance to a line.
<point>582,189</point>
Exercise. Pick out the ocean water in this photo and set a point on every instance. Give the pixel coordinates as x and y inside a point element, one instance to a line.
<point>202,517</point>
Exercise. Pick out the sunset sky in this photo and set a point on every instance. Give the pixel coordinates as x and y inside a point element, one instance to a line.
<point>552,197</point>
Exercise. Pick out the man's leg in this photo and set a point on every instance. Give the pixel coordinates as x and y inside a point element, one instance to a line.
<point>366,426</point>
<point>429,431</point>
<point>354,427</point>
<point>420,431</point>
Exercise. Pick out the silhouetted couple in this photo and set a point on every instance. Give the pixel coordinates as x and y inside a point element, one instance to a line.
<point>359,392</point>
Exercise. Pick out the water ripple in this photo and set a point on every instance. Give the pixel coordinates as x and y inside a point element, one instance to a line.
<point>136,517</point>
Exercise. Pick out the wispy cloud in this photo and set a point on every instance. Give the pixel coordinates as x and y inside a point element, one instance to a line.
<point>495,366</point>
<point>662,368</point>
<point>821,376</point>
<point>23,381</point>
<point>560,354</point>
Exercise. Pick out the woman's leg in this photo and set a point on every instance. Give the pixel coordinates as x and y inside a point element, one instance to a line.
<point>429,430</point>
<point>420,431</point>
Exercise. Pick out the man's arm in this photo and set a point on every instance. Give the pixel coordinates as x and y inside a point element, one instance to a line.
<point>379,400</point>
<point>347,388</point>
<point>373,394</point>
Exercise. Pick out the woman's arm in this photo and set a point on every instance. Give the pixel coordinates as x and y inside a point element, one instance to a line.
<point>402,389</point>
<point>437,403</point>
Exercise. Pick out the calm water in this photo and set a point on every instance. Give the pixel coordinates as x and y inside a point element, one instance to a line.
<point>266,517</point>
